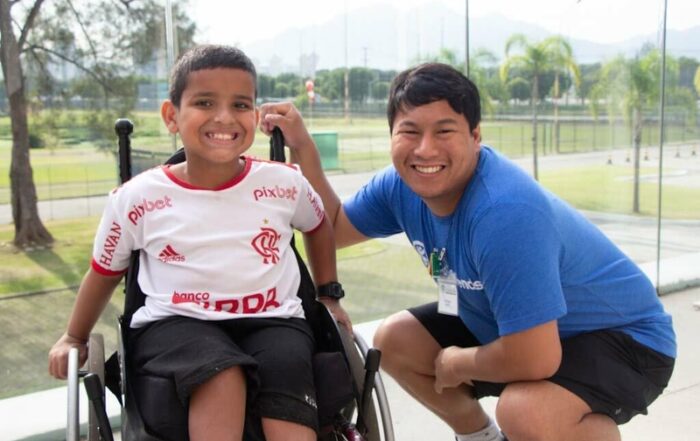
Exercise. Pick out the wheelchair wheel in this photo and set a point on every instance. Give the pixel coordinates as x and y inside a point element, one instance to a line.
<point>95,365</point>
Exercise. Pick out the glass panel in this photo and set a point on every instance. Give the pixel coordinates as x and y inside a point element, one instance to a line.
<point>592,133</point>
<point>679,251</point>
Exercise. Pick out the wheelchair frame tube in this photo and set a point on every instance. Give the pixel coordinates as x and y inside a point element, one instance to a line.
<point>73,426</point>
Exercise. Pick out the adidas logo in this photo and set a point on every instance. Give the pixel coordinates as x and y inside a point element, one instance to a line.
<point>170,255</point>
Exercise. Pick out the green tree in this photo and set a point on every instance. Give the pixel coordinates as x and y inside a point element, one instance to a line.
<point>630,86</point>
<point>359,79</point>
<point>589,78</point>
<point>329,84</point>
<point>696,81</point>
<point>266,86</point>
<point>533,61</point>
<point>481,73</point>
<point>686,72</point>
<point>102,39</point>
<point>563,64</point>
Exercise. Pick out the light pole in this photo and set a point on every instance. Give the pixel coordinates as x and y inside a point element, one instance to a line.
<point>466,37</point>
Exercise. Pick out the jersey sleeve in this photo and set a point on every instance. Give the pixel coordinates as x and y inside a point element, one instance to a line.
<point>517,249</point>
<point>113,244</point>
<point>375,209</point>
<point>309,211</point>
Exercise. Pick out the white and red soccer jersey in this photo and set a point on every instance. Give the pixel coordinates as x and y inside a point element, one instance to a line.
<point>210,254</point>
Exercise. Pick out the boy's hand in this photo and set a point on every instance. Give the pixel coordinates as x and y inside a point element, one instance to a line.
<point>340,315</point>
<point>289,120</point>
<point>58,355</point>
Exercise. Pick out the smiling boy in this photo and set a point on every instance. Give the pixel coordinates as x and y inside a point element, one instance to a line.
<point>221,316</point>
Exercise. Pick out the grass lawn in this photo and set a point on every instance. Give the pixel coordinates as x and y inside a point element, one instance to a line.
<point>379,278</point>
<point>609,188</point>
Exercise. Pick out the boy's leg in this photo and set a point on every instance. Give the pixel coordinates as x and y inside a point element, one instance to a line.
<point>605,378</point>
<point>408,355</point>
<point>206,367</point>
<point>280,430</point>
<point>217,407</point>
<point>286,402</point>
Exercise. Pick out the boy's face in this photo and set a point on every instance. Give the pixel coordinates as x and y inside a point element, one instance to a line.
<point>435,153</point>
<point>216,118</point>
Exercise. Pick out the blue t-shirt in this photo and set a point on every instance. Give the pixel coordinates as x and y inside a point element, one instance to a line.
<point>521,256</point>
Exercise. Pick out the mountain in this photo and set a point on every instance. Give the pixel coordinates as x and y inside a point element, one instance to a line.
<point>385,37</point>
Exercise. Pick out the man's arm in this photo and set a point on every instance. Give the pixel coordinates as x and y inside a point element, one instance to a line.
<point>533,354</point>
<point>304,152</point>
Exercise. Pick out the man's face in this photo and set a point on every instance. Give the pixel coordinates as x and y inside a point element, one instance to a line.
<point>216,118</point>
<point>435,153</point>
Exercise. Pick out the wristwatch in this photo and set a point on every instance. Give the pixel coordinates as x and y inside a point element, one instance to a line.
<point>334,290</point>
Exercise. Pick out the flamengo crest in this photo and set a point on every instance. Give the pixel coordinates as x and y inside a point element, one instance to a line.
<point>265,243</point>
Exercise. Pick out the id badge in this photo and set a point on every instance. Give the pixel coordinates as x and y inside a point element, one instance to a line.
<point>447,296</point>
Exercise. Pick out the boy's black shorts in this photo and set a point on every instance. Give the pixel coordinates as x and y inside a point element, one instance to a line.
<point>610,371</point>
<point>275,353</point>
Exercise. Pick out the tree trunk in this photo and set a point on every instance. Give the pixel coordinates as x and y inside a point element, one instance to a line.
<point>637,141</point>
<point>533,99</point>
<point>29,230</point>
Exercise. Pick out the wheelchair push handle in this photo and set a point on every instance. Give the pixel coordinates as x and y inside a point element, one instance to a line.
<point>277,146</point>
<point>124,128</point>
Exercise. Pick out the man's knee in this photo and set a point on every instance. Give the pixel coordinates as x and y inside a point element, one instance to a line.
<point>393,335</point>
<point>519,415</point>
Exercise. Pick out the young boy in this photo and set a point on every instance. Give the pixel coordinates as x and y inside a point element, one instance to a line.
<point>221,315</point>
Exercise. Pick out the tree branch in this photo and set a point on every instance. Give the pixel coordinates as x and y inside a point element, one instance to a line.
<point>29,23</point>
<point>75,63</point>
<point>82,27</point>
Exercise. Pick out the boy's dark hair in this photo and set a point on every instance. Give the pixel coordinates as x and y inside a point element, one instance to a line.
<point>430,82</point>
<point>207,56</point>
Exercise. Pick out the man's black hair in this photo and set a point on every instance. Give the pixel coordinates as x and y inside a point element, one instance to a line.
<point>207,57</point>
<point>430,82</point>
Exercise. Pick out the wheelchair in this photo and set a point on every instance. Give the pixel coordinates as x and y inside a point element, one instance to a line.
<point>351,399</point>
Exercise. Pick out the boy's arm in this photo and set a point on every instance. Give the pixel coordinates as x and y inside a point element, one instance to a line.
<point>304,152</point>
<point>320,251</point>
<point>93,295</point>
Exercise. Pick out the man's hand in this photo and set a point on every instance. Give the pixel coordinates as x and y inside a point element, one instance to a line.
<point>58,355</point>
<point>340,315</point>
<point>289,120</point>
<point>446,368</point>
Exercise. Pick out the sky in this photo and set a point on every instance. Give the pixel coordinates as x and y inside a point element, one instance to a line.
<point>605,21</point>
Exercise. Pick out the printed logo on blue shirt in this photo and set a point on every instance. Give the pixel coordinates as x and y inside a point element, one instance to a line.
<point>471,285</point>
<point>420,249</point>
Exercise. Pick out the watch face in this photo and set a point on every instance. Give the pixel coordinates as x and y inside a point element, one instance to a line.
<point>333,290</point>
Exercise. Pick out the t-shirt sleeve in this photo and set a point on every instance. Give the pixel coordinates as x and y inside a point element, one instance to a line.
<point>113,244</point>
<point>375,209</point>
<point>517,251</point>
<point>309,212</point>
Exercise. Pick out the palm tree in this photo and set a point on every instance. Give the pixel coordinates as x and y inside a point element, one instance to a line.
<point>564,63</point>
<point>478,63</point>
<point>630,86</point>
<point>533,61</point>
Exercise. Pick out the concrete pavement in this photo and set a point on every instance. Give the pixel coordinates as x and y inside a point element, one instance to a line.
<point>674,416</point>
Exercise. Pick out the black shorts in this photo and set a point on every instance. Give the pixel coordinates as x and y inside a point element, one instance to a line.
<point>610,371</point>
<point>275,354</point>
